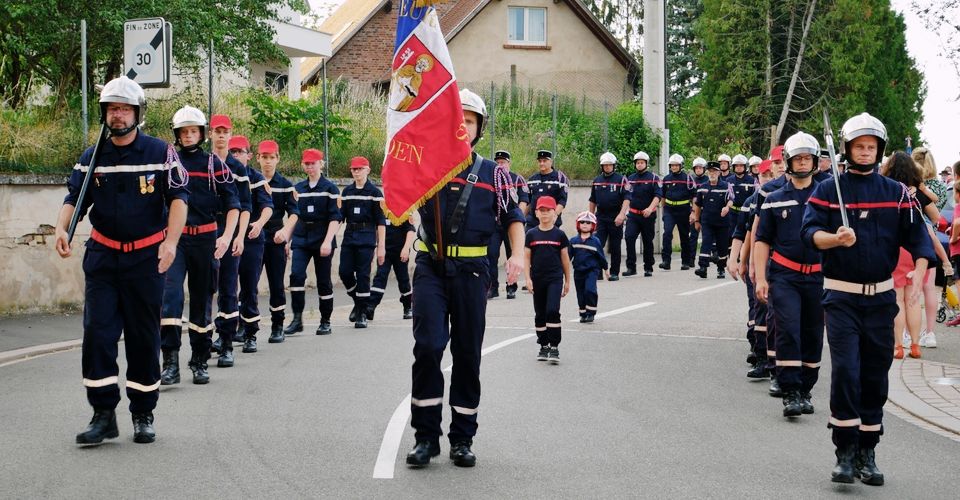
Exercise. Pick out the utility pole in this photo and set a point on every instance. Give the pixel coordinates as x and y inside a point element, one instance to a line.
<point>655,84</point>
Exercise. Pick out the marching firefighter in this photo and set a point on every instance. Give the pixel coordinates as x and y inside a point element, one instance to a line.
<point>449,295</point>
<point>399,244</point>
<point>699,178</point>
<point>314,238</point>
<point>278,233</point>
<point>365,235</point>
<point>212,189</point>
<point>519,185</point>
<point>548,181</point>
<point>709,215</point>
<point>137,207</point>
<point>795,281</point>
<point>859,300</point>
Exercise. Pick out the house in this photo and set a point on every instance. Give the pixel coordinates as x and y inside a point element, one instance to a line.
<point>552,45</point>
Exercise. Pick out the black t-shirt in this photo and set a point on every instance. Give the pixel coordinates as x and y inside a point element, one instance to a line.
<point>545,248</point>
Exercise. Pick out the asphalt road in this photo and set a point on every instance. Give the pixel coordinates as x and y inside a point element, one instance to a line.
<point>651,402</point>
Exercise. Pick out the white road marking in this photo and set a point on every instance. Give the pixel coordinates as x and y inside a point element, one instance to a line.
<point>618,311</point>
<point>706,288</point>
<point>390,445</point>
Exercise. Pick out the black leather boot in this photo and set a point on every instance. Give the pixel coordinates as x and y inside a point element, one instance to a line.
<point>407,307</point>
<point>843,471</point>
<point>866,467</point>
<point>353,314</point>
<point>249,343</point>
<point>422,452</point>
<point>198,366</point>
<point>143,431</point>
<point>295,326</point>
<point>759,370</point>
<point>791,404</point>
<point>665,265</point>
<point>361,320</point>
<point>276,334</point>
<point>226,357</point>
<point>171,368</point>
<point>370,310</point>
<point>102,426</point>
<point>806,403</point>
<point>461,455</point>
<point>701,272</point>
<point>774,387</point>
<point>324,328</point>
<point>217,345</point>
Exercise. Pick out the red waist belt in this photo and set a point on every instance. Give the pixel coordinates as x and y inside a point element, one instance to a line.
<point>195,230</point>
<point>795,266</point>
<point>128,246</point>
<point>640,212</point>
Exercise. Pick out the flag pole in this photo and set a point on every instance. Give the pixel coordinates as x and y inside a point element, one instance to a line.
<point>438,227</point>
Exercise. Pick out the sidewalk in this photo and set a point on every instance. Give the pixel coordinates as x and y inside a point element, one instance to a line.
<point>929,391</point>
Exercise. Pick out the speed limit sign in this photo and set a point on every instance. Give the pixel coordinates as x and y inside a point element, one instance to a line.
<point>146,51</point>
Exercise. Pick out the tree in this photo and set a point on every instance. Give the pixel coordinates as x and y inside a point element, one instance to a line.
<point>683,50</point>
<point>937,14</point>
<point>40,43</point>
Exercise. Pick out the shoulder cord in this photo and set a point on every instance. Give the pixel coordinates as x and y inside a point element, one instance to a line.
<point>177,176</point>
<point>226,178</point>
<point>502,184</point>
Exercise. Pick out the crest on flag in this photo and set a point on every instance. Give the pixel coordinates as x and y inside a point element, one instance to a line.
<point>426,139</point>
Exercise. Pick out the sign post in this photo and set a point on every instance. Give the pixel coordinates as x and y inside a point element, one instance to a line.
<point>147,50</point>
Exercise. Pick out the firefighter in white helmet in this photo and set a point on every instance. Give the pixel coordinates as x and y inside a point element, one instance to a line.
<point>609,201</point>
<point>645,195</point>
<point>679,189</point>
<point>137,207</point>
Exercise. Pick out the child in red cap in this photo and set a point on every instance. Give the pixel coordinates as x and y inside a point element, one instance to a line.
<point>548,276</point>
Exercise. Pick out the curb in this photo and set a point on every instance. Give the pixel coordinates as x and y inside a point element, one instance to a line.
<point>906,400</point>
<point>17,355</point>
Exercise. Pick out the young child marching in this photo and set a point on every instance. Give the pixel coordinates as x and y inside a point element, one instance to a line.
<point>548,276</point>
<point>586,252</point>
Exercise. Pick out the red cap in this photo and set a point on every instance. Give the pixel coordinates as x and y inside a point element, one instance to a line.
<point>311,155</point>
<point>220,121</point>
<point>765,166</point>
<point>239,142</point>
<point>266,147</point>
<point>359,162</point>
<point>776,154</point>
<point>546,202</point>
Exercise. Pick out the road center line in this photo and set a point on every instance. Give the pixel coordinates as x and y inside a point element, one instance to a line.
<point>390,445</point>
<point>618,311</point>
<point>706,288</point>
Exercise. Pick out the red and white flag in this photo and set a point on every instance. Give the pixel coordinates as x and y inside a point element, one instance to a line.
<point>427,142</point>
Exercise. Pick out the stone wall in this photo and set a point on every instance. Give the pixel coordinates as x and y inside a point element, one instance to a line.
<point>35,278</point>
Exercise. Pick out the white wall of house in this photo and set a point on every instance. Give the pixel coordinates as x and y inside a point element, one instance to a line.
<point>572,60</point>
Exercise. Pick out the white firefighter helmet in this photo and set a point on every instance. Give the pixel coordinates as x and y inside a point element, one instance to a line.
<point>185,117</point>
<point>675,158</point>
<point>641,156</point>
<point>739,160</point>
<point>699,162</point>
<point>608,159</point>
<point>125,91</point>
<point>473,102</point>
<point>587,217</point>
<point>754,160</point>
<point>724,157</point>
<point>860,125</point>
<point>799,144</point>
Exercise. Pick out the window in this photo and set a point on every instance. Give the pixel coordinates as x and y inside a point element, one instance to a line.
<point>275,81</point>
<point>527,25</point>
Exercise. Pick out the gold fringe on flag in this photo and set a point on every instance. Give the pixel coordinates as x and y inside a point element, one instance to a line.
<point>427,3</point>
<point>400,219</point>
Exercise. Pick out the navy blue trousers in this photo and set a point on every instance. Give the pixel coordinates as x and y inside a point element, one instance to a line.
<point>607,229</point>
<point>760,331</point>
<point>195,264</point>
<point>251,265</point>
<point>228,312</point>
<point>355,272</point>
<point>498,238</point>
<point>751,312</point>
<point>449,305</point>
<point>400,271</point>
<point>298,276</point>
<point>587,297</point>
<point>275,264</point>
<point>799,320</point>
<point>644,228</point>
<point>676,217</point>
<point>860,334</point>
<point>715,246</point>
<point>546,308</point>
<point>122,295</point>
